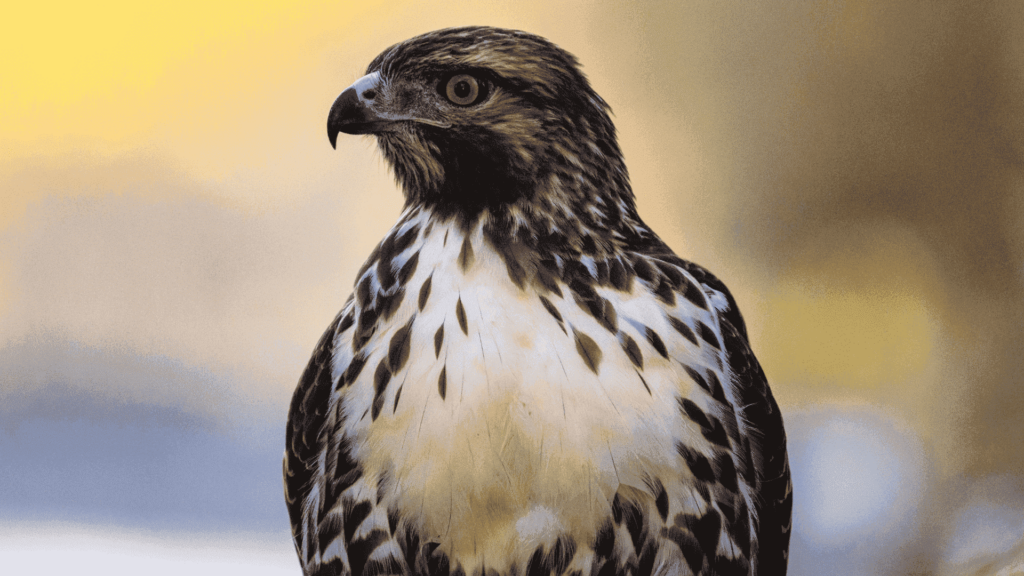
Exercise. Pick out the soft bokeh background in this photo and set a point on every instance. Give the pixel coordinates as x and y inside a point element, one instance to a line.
<point>176,232</point>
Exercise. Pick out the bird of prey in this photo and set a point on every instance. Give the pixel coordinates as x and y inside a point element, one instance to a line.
<point>526,380</point>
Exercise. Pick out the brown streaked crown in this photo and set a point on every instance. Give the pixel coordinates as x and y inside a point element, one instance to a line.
<point>539,143</point>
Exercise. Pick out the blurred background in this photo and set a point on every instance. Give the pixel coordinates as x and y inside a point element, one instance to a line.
<point>176,233</point>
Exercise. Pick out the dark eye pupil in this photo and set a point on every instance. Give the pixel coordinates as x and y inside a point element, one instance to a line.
<point>462,89</point>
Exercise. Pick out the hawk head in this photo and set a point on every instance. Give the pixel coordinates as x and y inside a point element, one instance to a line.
<point>484,120</point>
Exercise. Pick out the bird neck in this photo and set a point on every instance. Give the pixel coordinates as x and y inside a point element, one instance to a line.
<point>558,216</point>
<point>572,198</point>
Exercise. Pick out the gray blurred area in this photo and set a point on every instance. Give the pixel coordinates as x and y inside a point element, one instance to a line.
<point>854,171</point>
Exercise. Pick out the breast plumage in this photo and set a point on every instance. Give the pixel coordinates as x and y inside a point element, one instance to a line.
<point>526,379</point>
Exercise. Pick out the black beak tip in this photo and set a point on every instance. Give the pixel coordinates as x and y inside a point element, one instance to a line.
<point>346,113</point>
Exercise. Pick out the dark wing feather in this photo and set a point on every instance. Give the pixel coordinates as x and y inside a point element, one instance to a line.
<point>732,314</point>
<point>307,434</point>
<point>760,419</point>
<point>763,454</point>
<point>770,472</point>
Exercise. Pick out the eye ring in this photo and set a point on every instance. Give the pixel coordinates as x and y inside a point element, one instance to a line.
<point>463,90</point>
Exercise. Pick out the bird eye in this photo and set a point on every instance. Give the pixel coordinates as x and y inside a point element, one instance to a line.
<point>463,89</point>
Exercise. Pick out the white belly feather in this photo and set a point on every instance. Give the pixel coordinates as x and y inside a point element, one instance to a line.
<point>528,442</point>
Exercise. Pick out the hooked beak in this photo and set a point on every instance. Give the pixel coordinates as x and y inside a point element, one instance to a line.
<point>353,112</point>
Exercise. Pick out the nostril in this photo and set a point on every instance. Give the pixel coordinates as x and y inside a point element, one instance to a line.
<point>370,94</point>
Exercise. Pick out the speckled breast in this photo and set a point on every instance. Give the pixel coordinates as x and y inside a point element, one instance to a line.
<point>497,417</point>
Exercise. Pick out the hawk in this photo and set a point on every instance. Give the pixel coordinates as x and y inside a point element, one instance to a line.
<point>526,380</point>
